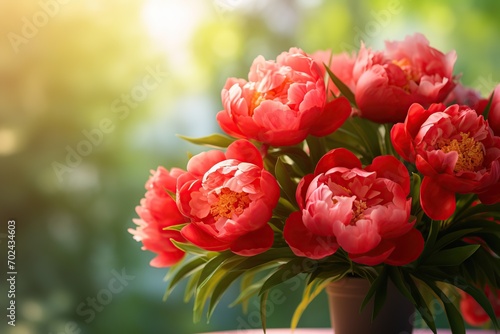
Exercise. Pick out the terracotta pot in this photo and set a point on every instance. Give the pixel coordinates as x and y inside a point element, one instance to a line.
<point>345,299</point>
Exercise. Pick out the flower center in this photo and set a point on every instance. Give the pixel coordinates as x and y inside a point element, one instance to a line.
<point>470,152</point>
<point>229,203</point>
<point>358,208</point>
<point>410,72</point>
<point>259,97</point>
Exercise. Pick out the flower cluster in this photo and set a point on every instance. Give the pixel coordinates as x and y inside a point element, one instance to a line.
<point>377,164</point>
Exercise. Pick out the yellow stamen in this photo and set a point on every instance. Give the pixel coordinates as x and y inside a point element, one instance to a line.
<point>259,97</point>
<point>410,72</point>
<point>358,208</point>
<point>229,203</point>
<point>470,152</point>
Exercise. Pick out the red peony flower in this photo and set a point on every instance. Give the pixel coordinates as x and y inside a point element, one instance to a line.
<point>473,313</point>
<point>388,82</point>
<point>364,211</point>
<point>157,211</point>
<point>229,199</point>
<point>455,150</point>
<point>281,103</point>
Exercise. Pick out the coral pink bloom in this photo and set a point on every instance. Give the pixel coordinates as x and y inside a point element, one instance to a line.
<point>229,200</point>
<point>281,103</point>
<point>157,211</point>
<point>473,313</point>
<point>455,150</point>
<point>388,82</point>
<point>341,65</point>
<point>364,211</point>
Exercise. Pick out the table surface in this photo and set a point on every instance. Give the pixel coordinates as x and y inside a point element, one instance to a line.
<point>329,331</point>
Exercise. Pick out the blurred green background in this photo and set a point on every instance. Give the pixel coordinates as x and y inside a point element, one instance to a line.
<point>125,77</point>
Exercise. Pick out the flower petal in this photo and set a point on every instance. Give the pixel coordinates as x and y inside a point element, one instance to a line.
<point>303,242</point>
<point>337,157</point>
<point>200,238</point>
<point>255,242</point>
<point>391,168</point>
<point>408,248</point>
<point>335,114</point>
<point>243,150</point>
<point>437,202</point>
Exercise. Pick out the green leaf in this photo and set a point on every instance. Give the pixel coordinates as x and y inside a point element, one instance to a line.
<point>299,157</point>
<point>335,270</point>
<point>284,209</point>
<point>398,280</point>
<point>479,296</point>
<point>246,282</point>
<point>378,289</point>
<point>284,272</point>
<point>175,227</point>
<point>189,248</point>
<point>212,266</point>
<point>186,270</point>
<point>452,256</point>
<point>492,241</point>
<point>416,181</point>
<point>311,290</point>
<point>203,293</point>
<point>317,148</point>
<point>215,140</point>
<point>452,237</point>
<point>219,290</point>
<point>486,267</point>
<point>431,239</point>
<point>477,211</point>
<point>285,180</point>
<point>344,90</point>
<point>421,304</point>
<point>368,132</point>
<point>248,293</point>
<point>263,300</point>
<point>190,290</point>
<point>274,255</point>
<point>486,111</point>
<point>454,317</point>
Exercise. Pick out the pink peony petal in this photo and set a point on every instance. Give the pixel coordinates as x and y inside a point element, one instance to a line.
<point>303,242</point>
<point>359,238</point>
<point>228,125</point>
<point>243,150</point>
<point>391,168</point>
<point>202,162</point>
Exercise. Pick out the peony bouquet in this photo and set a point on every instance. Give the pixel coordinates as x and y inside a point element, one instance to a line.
<point>376,164</point>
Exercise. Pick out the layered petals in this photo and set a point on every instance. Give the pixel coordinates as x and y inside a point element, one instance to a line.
<point>406,72</point>
<point>282,102</point>
<point>230,204</point>
<point>456,151</point>
<point>158,211</point>
<point>365,212</point>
